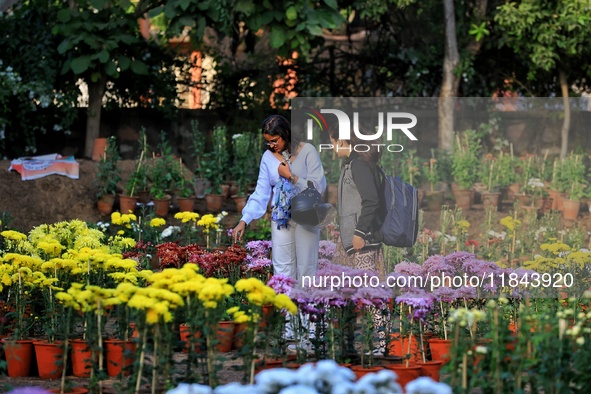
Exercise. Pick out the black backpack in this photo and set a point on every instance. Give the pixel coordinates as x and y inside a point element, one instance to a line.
<point>401,223</point>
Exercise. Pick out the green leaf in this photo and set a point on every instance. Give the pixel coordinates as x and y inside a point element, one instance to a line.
<point>139,67</point>
<point>246,7</point>
<point>187,21</point>
<point>277,37</point>
<point>111,69</point>
<point>169,10</point>
<point>64,15</point>
<point>80,64</point>
<point>291,13</point>
<point>64,46</point>
<point>315,30</point>
<point>103,56</point>
<point>331,3</point>
<point>185,4</point>
<point>124,63</point>
<point>125,4</point>
<point>98,4</point>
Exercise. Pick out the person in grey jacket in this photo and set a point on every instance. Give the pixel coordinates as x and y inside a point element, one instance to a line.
<point>361,214</point>
<point>360,204</point>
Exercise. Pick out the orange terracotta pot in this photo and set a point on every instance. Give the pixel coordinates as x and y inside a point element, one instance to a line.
<point>81,358</point>
<point>19,355</point>
<point>49,359</point>
<point>185,334</point>
<point>225,335</point>
<point>431,369</point>
<point>239,335</point>
<point>571,209</point>
<point>186,204</point>
<point>162,206</point>
<point>127,203</point>
<point>73,390</point>
<point>214,202</point>
<point>120,355</point>
<point>362,371</point>
<point>400,348</point>
<point>463,198</point>
<point>440,349</point>
<point>405,374</point>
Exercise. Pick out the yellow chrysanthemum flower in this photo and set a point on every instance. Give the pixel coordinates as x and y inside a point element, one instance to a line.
<point>157,222</point>
<point>13,235</point>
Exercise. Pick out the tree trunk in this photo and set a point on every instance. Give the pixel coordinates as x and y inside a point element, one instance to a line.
<point>96,91</point>
<point>451,81</point>
<point>566,122</point>
<point>451,61</point>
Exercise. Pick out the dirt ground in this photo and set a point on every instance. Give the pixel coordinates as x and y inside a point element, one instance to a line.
<point>55,198</point>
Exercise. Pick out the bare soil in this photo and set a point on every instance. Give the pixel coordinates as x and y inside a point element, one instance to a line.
<point>56,198</point>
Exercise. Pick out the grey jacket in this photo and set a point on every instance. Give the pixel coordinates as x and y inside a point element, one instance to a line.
<point>360,204</point>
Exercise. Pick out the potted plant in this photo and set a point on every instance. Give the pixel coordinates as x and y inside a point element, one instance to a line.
<point>465,161</point>
<point>164,174</point>
<point>242,146</point>
<point>432,175</point>
<point>137,180</point>
<point>107,177</point>
<point>185,197</point>
<point>198,154</point>
<point>573,184</point>
<point>506,174</point>
<point>216,170</point>
<point>489,178</point>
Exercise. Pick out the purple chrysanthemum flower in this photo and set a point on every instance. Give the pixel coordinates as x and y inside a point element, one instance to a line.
<point>259,248</point>
<point>407,268</point>
<point>282,284</point>
<point>445,294</point>
<point>456,259</point>
<point>326,250</point>
<point>28,390</point>
<point>466,292</point>
<point>436,265</point>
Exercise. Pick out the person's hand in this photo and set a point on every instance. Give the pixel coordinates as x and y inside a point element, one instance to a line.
<point>238,231</point>
<point>358,242</point>
<point>284,170</point>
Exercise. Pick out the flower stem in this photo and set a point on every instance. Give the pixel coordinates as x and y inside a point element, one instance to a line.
<point>142,356</point>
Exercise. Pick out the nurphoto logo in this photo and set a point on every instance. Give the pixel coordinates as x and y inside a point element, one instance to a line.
<point>380,127</point>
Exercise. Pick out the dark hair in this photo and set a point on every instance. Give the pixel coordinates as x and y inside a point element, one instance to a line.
<point>372,156</point>
<point>277,125</point>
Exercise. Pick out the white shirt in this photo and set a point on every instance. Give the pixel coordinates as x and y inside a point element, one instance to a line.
<point>306,166</point>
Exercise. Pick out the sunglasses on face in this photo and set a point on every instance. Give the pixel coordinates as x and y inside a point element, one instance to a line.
<point>272,143</point>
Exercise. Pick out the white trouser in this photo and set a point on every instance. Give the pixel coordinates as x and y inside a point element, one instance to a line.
<point>295,250</point>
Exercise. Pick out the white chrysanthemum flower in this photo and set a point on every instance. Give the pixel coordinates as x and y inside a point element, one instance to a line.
<point>481,349</point>
<point>425,385</point>
<point>235,388</point>
<point>194,388</point>
<point>299,389</point>
<point>274,380</point>
<point>383,382</point>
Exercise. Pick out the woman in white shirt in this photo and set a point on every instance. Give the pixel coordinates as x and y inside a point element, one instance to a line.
<point>285,169</point>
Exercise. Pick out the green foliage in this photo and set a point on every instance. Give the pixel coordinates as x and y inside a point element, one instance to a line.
<point>165,170</point>
<point>109,173</point>
<point>431,172</point>
<point>466,158</point>
<point>34,99</point>
<point>198,149</point>
<point>243,146</point>
<point>218,160</point>
<point>571,177</point>
<point>547,33</point>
